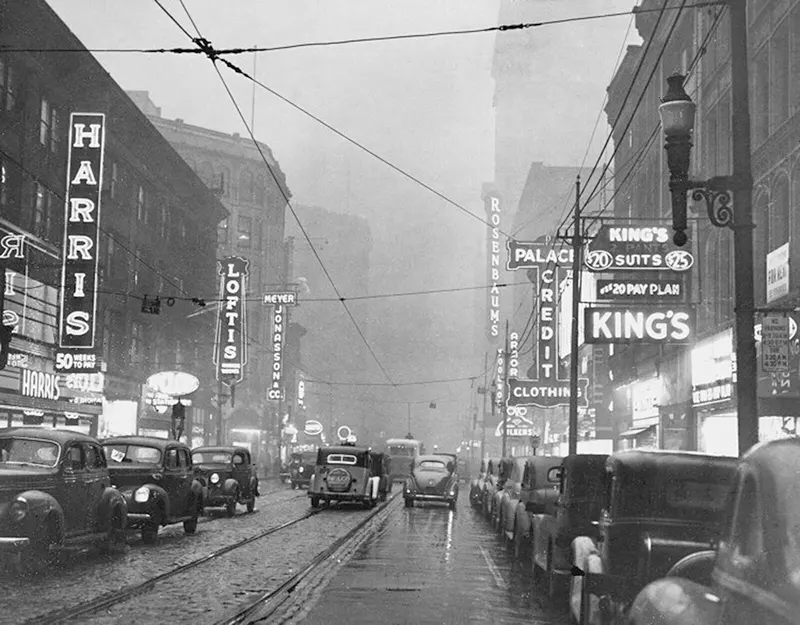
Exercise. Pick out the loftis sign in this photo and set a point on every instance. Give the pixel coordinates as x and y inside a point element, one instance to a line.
<point>643,324</point>
<point>546,387</point>
<point>77,318</point>
<point>649,248</point>
<point>230,347</point>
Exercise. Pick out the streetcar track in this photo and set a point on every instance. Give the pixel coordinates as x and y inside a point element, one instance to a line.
<point>109,599</point>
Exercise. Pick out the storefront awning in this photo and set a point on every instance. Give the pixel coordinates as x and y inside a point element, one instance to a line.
<point>634,432</point>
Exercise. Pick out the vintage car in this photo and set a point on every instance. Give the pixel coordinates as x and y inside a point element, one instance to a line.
<point>433,478</point>
<point>380,467</point>
<point>476,486</point>
<point>301,468</point>
<point>344,473</point>
<point>156,477</point>
<point>554,522</point>
<point>510,490</point>
<point>494,483</point>
<point>754,574</point>
<point>463,470</point>
<point>55,494</point>
<point>228,477</point>
<point>660,507</point>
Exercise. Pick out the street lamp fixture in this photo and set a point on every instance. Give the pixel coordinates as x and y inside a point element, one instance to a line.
<point>677,120</point>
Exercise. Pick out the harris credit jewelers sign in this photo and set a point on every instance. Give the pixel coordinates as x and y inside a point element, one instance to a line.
<point>78,310</point>
<point>230,348</point>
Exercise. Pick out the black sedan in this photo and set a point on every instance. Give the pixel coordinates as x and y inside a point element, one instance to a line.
<point>433,478</point>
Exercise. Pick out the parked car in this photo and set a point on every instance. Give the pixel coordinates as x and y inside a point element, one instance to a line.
<point>433,478</point>
<point>55,494</point>
<point>476,486</point>
<point>344,473</point>
<point>662,506</point>
<point>463,470</point>
<point>228,477</point>
<point>301,468</point>
<point>581,482</point>
<point>496,479</point>
<point>754,574</point>
<point>380,467</point>
<point>156,477</point>
<point>503,507</point>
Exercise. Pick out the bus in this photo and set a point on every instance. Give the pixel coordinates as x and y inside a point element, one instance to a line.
<point>401,452</point>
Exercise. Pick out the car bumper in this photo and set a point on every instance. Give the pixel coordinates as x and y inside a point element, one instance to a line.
<point>138,519</point>
<point>429,497</point>
<point>339,496</point>
<point>218,500</point>
<point>13,543</point>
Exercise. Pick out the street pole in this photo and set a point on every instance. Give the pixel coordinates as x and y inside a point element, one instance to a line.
<point>219,416</point>
<point>577,244</point>
<point>280,424</point>
<point>746,391</point>
<point>503,414</point>
<point>485,394</point>
<point>408,404</point>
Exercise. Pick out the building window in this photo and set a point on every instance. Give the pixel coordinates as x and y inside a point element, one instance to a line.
<point>245,231</point>
<point>164,218</point>
<point>225,181</point>
<point>259,239</point>
<point>137,340</point>
<point>779,215</point>
<point>140,212</point>
<point>780,75</point>
<point>222,231</point>
<point>114,180</point>
<point>261,190</point>
<point>246,188</point>
<point>761,96</point>
<point>107,336</point>
<point>795,56</point>
<point>3,188</point>
<point>42,213</point>
<point>8,86</point>
<point>44,123</point>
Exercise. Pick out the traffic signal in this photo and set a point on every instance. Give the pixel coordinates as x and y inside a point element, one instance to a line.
<point>5,341</point>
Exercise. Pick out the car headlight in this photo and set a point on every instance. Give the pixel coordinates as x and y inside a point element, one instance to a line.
<point>18,509</point>
<point>214,478</point>
<point>300,469</point>
<point>142,494</point>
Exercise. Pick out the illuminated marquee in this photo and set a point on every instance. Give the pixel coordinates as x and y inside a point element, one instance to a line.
<point>623,324</point>
<point>493,266</point>
<point>280,320</point>
<point>77,318</point>
<point>545,387</point>
<point>650,248</point>
<point>230,347</point>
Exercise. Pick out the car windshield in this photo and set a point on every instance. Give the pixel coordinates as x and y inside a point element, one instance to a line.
<point>401,450</point>
<point>211,457</point>
<point>28,451</point>
<point>133,454</point>
<point>432,465</point>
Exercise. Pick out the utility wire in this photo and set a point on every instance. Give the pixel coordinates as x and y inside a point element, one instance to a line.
<point>380,38</point>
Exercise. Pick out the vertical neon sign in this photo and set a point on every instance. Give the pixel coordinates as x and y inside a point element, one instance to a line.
<point>230,347</point>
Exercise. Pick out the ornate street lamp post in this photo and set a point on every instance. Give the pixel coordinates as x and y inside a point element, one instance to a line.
<point>728,201</point>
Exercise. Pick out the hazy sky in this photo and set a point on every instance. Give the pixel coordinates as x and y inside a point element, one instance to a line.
<point>424,104</point>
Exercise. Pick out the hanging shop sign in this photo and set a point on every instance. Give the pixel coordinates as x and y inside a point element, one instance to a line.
<point>646,290</point>
<point>546,386</point>
<point>344,432</point>
<point>492,205</point>
<point>313,428</point>
<point>78,309</point>
<point>517,427</point>
<point>230,347</point>
<point>778,273</point>
<point>646,247</point>
<point>280,321</point>
<point>775,344</point>
<point>173,383</point>
<point>629,324</point>
<point>530,254</point>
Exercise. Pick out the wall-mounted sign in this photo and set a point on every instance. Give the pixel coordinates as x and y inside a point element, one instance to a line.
<point>40,384</point>
<point>78,310</point>
<point>778,273</point>
<point>546,386</point>
<point>173,383</point>
<point>629,324</point>
<point>12,246</point>
<point>529,254</point>
<point>640,289</point>
<point>714,393</point>
<point>230,347</point>
<point>84,388</point>
<point>280,321</point>
<point>344,432</point>
<point>313,428</point>
<point>515,426</point>
<point>492,205</point>
<point>627,248</point>
<point>775,344</point>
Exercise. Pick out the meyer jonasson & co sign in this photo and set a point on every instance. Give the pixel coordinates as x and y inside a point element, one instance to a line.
<point>230,347</point>
<point>546,388</point>
<point>280,320</point>
<point>636,248</point>
<point>78,310</point>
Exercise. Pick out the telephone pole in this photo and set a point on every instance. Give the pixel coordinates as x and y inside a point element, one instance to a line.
<point>577,246</point>
<point>504,399</point>
<point>485,393</point>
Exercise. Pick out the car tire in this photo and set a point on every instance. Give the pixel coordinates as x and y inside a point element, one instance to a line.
<point>115,538</point>
<point>517,545</point>
<point>451,505</point>
<point>315,502</point>
<point>230,508</point>
<point>409,502</point>
<point>251,504</point>
<point>38,556</point>
<point>150,530</point>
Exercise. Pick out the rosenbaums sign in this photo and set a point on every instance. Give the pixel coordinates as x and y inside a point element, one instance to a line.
<point>648,248</point>
<point>642,324</point>
<point>78,309</point>
<point>230,347</point>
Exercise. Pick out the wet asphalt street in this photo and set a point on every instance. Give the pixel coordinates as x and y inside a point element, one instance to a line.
<point>428,564</point>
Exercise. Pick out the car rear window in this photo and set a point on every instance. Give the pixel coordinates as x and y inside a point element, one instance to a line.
<point>341,459</point>
<point>432,465</point>
<point>28,451</point>
<point>132,454</point>
<point>401,450</point>
<point>696,495</point>
<point>211,457</point>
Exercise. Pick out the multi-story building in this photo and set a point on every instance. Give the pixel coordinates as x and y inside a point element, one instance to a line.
<point>255,195</point>
<point>685,396</point>
<point>157,230</point>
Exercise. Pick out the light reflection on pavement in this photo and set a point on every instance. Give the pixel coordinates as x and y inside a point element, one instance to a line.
<point>428,564</point>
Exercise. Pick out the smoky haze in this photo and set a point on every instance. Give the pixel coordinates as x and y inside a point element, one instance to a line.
<point>425,105</point>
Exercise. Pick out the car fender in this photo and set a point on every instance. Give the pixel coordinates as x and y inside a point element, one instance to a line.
<point>374,485</point>
<point>254,485</point>
<point>585,559</point>
<point>159,496</point>
<point>522,522</point>
<point>229,486</point>
<point>110,500</point>
<point>675,601</point>
<point>198,491</point>
<point>40,506</point>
